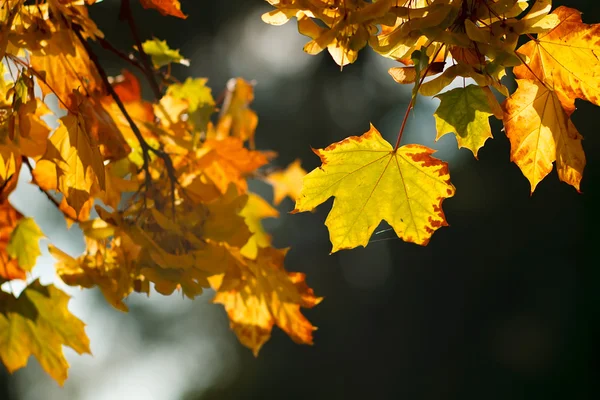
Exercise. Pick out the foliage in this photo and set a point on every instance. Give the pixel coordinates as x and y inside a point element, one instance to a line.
<point>159,187</point>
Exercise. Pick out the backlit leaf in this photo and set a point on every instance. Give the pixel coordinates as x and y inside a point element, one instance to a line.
<point>566,58</point>
<point>162,54</point>
<point>38,323</point>
<point>465,112</point>
<point>9,266</point>
<point>236,118</point>
<point>258,294</point>
<point>287,182</point>
<point>541,132</point>
<point>79,164</point>
<point>112,268</point>
<point>24,243</point>
<point>372,182</point>
<point>165,7</point>
<point>255,210</point>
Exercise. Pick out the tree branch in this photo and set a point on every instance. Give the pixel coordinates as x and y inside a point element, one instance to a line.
<point>126,15</point>
<point>146,148</point>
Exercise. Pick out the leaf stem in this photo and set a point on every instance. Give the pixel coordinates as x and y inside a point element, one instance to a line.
<point>411,105</point>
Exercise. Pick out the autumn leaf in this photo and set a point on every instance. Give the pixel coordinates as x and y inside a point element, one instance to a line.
<point>165,7</point>
<point>39,323</point>
<point>372,182</point>
<point>258,294</point>
<point>255,210</point>
<point>287,182</point>
<point>9,266</point>
<point>77,159</point>
<point>129,91</point>
<point>112,268</point>
<point>66,68</point>
<point>541,132</point>
<point>236,118</point>
<point>102,128</point>
<point>224,222</point>
<point>465,112</point>
<point>227,161</point>
<point>162,54</point>
<point>32,131</point>
<point>565,58</point>
<point>198,96</point>
<point>10,166</point>
<point>23,244</point>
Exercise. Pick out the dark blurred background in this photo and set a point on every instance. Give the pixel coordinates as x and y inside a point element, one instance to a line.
<point>503,304</point>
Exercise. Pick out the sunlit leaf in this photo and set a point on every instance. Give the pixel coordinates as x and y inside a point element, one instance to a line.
<point>38,323</point>
<point>24,243</point>
<point>287,183</point>
<point>255,210</point>
<point>162,54</point>
<point>165,7</point>
<point>541,132</point>
<point>258,294</point>
<point>372,182</point>
<point>465,112</point>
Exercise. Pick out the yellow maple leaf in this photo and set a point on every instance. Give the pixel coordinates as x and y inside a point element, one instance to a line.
<point>540,132</point>
<point>287,182</point>
<point>102,128</point>
<point>33,131</point>
<point>348,26</point>
<point>236,118</point>
<point>66,68</point>
<point>23,245</point>
<point>224,222</point>
<point>260,293</point>
<point>372,182</point>
<point>565,58</point>
<point>78,163</point>
<point>10,166</point>
<point>255,210</point>
<point>112,268</point>
<point>39,323</point>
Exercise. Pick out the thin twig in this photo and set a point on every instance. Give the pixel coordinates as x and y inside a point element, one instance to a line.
<point>124,56</point>
<point>146,148</point>
<point>131,59</point>
<point>126,15</point>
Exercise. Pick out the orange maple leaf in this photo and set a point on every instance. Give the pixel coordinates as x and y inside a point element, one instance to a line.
<point>565,58</point>
<point>9,267</point>
<point>540,132</point>
<point>258,294</point>
<point>228,161</point>
<point>165,7</point>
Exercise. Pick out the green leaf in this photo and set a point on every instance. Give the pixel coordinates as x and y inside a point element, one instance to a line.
<point>161,54</point>
<point>465,112</point>
<point>39,323</point>
<point>200,101</point>
<point>24,243</point>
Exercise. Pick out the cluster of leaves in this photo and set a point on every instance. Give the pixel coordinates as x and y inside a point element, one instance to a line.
<point>159,188</point>
<point>437,41</point>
